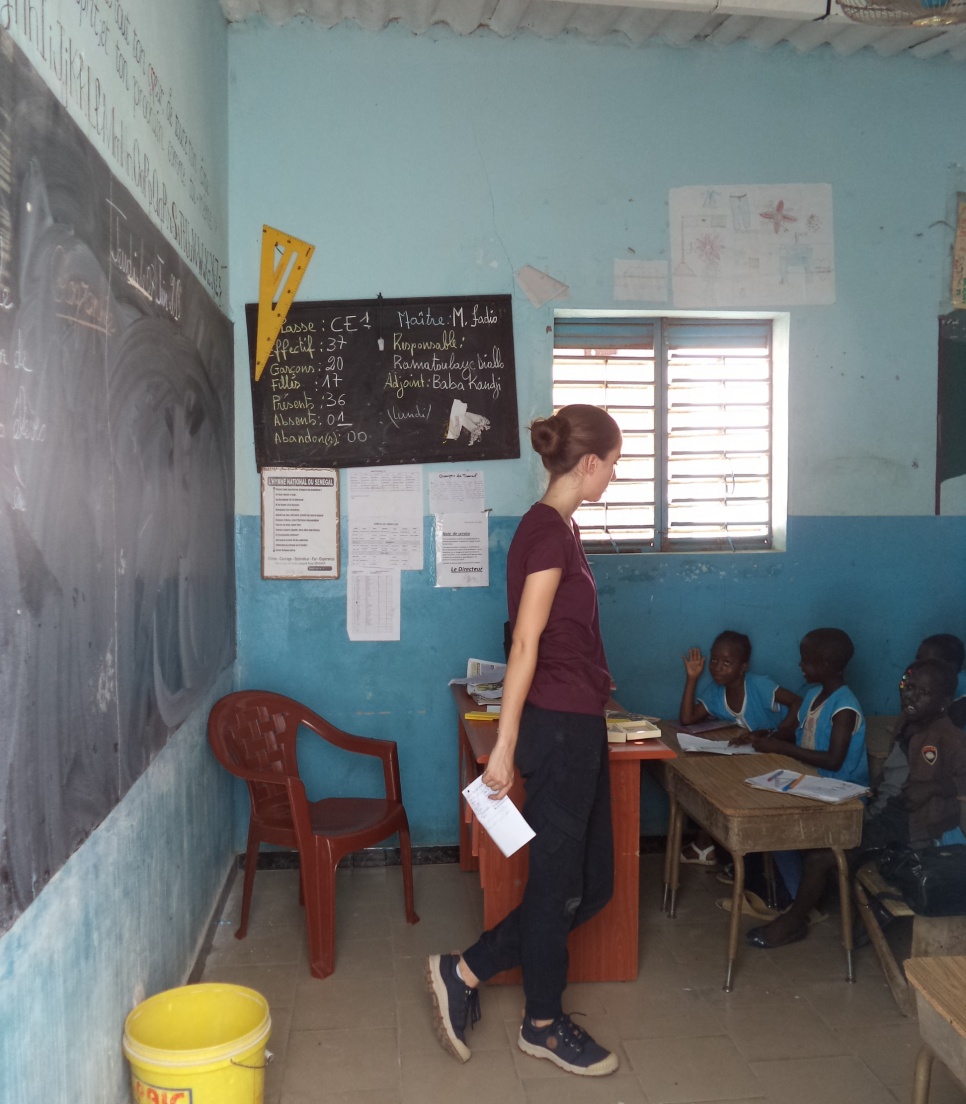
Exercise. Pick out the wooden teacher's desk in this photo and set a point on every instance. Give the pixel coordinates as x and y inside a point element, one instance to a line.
<point>711,789</point>
<point>605,948</point>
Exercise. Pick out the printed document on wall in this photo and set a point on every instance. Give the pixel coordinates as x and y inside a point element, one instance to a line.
<point>752,245</point>
<point>462,550</point>
<point>386,517</point>
<point>456,492</point>
<point>372,604</point>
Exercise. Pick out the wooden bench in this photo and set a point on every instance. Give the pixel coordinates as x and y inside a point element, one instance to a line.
<point>931,935</point>
<point>940,987</point>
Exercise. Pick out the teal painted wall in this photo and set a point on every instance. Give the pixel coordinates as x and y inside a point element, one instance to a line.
<point>436,165</point>
<point>878,578</point>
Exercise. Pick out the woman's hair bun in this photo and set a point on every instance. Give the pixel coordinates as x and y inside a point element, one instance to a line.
<point>549,435</point>
<point>573,432</point>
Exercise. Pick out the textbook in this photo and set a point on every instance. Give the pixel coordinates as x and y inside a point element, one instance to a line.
<point>831,790</point>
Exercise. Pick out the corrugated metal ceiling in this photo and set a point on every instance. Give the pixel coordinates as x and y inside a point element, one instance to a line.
<point>765,23</point>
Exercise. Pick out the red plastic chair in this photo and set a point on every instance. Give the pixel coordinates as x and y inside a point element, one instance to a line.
<point>252,734</point>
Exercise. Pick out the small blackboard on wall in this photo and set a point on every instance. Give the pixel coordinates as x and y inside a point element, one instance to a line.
<point>351,383</point>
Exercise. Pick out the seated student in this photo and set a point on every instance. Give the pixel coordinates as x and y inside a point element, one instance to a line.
<point>755,702</point>
<point>949,649</point>
<point>917,802</point>
<point>925,808</point>
<point>830,736</point>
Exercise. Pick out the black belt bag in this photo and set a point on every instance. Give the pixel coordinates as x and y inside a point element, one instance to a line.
<point>932,880</point>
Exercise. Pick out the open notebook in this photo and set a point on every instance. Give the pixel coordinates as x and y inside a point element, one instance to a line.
<point>832,790</point>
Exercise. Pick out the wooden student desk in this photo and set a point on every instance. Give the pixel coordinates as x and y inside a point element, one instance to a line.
<point>711,789</point>
<point>606,947</point>
<point>940,987</point>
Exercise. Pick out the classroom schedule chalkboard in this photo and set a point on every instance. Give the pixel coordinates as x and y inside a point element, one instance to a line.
<point>387,381</point>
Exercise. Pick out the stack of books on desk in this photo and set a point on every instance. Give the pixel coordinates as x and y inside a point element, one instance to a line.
<point>622,727</point>
<point>483,682</point>
<point>485,693</point>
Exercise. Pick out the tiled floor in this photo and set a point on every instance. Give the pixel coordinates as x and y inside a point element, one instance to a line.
<point>792,1032</point>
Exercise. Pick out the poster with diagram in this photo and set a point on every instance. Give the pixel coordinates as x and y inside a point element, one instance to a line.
<point>755,245</point>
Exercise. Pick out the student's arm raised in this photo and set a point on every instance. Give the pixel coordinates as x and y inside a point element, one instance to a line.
<point>692,711</point>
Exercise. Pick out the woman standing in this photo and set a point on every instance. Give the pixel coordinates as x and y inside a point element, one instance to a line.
<point>553,728</point>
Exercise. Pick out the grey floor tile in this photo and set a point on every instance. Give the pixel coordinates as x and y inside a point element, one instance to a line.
<point>685,1071</point>
<point>792,1031</point>
<point>808,1080</point>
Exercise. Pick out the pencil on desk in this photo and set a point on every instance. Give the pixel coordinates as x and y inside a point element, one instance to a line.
<point>791,785</point>
<point>475,715</point>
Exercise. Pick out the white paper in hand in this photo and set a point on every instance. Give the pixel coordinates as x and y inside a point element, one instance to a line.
<point>502,820</point>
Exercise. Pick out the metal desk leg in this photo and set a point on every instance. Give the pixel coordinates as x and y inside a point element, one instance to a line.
<point>920,1090</point>
<point>845,899</point>
<point>737,899</point>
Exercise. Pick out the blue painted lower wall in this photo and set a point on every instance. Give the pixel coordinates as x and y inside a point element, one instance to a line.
<point>888,581</point>
<point>123,919</point>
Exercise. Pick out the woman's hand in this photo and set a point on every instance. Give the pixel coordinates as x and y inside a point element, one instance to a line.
<point>746,737</point>
<point>693,663</point>
<point>498,773</point>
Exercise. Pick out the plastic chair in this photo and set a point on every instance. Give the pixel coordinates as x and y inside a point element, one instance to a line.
<point>253,733</point>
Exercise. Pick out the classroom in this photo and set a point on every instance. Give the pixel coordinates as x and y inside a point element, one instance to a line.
<point>439,159</point>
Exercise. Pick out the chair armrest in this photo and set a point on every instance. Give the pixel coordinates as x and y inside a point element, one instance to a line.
<point>386,750</point>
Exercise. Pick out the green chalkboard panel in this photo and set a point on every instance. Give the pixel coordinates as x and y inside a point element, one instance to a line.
<point>352,383</point>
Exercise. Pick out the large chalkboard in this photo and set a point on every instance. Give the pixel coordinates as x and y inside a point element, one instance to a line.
<point>387,381</point>
<point>116,488</point>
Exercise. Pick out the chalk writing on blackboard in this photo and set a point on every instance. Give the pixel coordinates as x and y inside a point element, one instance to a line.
<point>387,381</point>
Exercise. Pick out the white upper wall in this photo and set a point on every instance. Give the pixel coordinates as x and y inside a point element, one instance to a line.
<point>148,83</point>
<point>436,165</point>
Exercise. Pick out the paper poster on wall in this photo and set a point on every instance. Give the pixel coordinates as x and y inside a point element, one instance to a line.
<point>386,517</point>
<point>372,604</point>
<point>456,492</point>
<point>958,290</point>
<point>754,245</point>
<point>462,550</point>
<point>300,523</point>
<point>641,281</point>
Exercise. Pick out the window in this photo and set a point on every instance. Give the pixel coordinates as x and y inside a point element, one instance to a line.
<point>700,402</point>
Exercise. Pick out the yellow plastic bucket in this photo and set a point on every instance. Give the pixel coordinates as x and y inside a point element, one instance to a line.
<point>199,1044</point>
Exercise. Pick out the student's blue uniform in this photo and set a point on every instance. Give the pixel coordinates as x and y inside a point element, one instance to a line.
<point>855,767</point>
<point>760,710</point>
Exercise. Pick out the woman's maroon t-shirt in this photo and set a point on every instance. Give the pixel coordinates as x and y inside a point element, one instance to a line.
<point>571,674</point>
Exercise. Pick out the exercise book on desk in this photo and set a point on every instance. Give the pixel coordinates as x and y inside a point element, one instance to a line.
<point>833,791</point>
<point>715,747</point>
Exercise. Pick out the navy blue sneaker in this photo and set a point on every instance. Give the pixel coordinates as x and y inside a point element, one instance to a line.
<point>568,1046</point>
<point>454,1003</point>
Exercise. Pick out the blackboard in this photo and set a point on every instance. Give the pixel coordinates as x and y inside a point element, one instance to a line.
<point>387,381</point>
<point>951,419</point>
<point>116,488</point>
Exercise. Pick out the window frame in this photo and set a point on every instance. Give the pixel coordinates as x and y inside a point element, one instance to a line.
<point>780,327</point>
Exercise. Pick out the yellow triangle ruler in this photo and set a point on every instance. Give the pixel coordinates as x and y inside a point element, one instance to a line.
<point>273,304</point>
